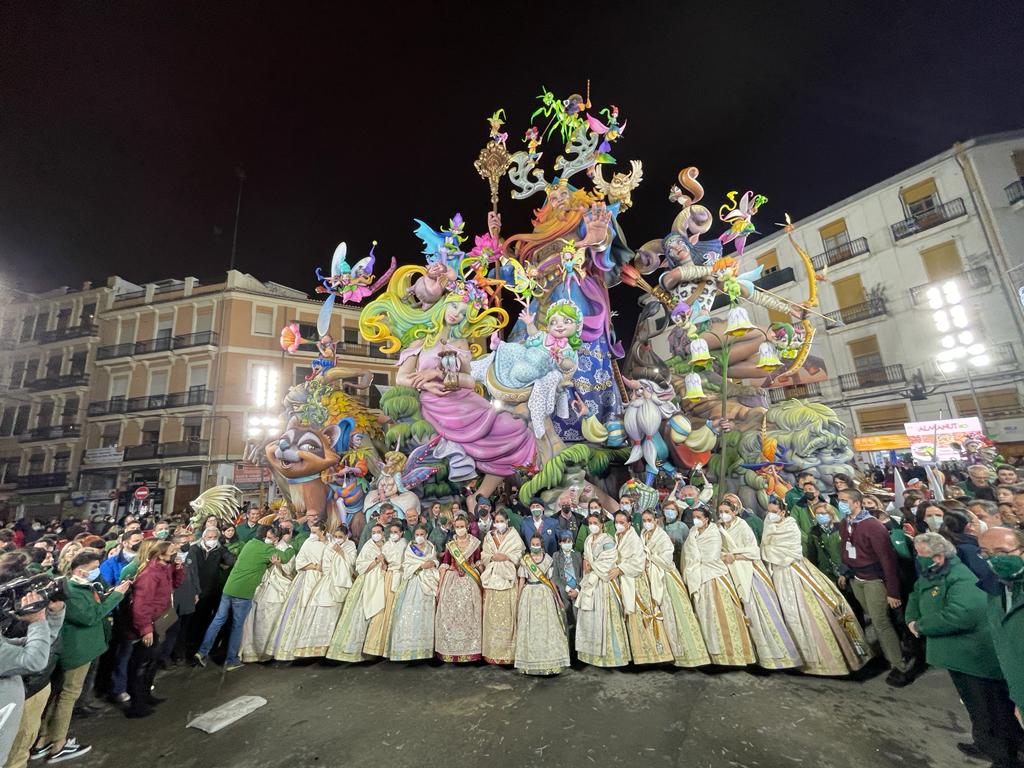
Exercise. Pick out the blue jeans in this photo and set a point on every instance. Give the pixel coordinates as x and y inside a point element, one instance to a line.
<point>119,674</point>
<point>238,609</point>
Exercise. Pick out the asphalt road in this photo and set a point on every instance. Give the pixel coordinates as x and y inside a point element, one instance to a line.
<point>397,715</point>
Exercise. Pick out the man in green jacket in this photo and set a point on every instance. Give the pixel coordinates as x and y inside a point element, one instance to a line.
<point>948,609</point>
<point>248,528</point>
<point>84,637</point>
<point>796,493</point>
<point>270,547</point>
<point>803,510</point>
<point>1003,548</point>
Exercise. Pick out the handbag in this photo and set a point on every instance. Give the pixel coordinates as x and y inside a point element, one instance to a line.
<point>165,620</point>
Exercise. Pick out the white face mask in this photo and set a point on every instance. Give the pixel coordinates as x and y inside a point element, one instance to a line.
<point>420,538</point>
<point>269,541</point>
<point>460,532</point>
<point>500,526</point>
<point>773,517</point>
<point>396,536</point>
<point>933,523</point>
<point>620,527</point>
<point>566,546</point>
<point>698,522</point>
<point>376,536</point>
<point>725,517</point>
<point>594,528</point>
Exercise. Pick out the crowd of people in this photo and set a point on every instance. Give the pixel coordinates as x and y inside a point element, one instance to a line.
<point>678,581</point>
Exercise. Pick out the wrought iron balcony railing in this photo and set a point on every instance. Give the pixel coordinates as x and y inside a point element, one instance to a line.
<point>841,253</point>
<point>931,218</point>
<point>1015,191</point>
<point>977,277</point>
<point>872,377</point>
<point>856,312</point>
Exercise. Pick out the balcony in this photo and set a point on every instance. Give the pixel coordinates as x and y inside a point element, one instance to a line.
<point>1015,192</point>
<point>802,392</point>
<point>931,218</point>
<point>66,334</point>
<point>1003,354</point>
<point>978,277</point>
<point>872,377</point>
<point>162,344</point>
<point>48,480</point>
<point>167,450</point>
<point>58,432</point>
<point>58,382</point>
<point>841,253</point>
<point>173,400</point>
<point>855,313</point>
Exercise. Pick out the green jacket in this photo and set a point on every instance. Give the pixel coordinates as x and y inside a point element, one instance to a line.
<point>793,497</point>
<point>824,551</point>
<point>86,631</point>
<point>805,520</point>
<point>129,571</point>
<point>584,531</point>
<point>252,563</point>
<point>950,612</point>
<point>1007,630</point>
<point>756,524</point>
<point>244,532</point>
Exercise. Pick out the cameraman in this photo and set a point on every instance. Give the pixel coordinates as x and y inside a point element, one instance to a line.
<point>23,655</point>
<point>85,637</point>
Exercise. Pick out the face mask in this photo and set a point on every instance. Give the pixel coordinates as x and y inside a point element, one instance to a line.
<point>808,496</point>
<point>161,534</point>
<point>982,527</point>
<point>130,555</point>
<point>535,548</point>
<point>269,541</point>
<point>210,543</point>
<point>619,527</point>
<point>671,515</point>
<point>395,536</point>
<point>537,512</point>
<point>460,532</point>
<point>501,526</point>
<point>844,508</point>
<point>626,507</point>
<point>93,575</point>
<point>773,517</point>
<point>725,517</point>
<point>648,525</point>
<point>689,501</point>
<point>698,522</point>
<point>420,538</point>
<point>376,536</point>
<point>933,523</point>
<point>925,563</point>
<point>595,512</point>
<point>594,527</point>
<point>566,546</point>
<point>1007,567</point>
<point>823,519</point>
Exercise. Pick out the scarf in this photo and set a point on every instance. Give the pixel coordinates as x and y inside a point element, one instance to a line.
<point>501,575</point>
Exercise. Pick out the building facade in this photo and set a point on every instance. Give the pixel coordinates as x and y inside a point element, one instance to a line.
<point>920,279</point>
<point>157,388</point>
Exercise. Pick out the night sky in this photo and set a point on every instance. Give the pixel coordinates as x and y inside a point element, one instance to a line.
<point>121,125</point>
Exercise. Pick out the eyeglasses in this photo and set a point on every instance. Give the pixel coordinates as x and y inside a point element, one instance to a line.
<point>985,554</point>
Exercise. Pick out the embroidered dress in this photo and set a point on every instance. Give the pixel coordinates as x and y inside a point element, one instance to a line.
<point>379,630</point>
<point>773,641</point>
<point>308,574</point>
<point>457,622</point>
<point>365,601</point>
<point>321,614</point>
<point>824,627</point>
<point>716,602</point>
<point>412,627</point>
<point>261,623</point>
<point>648,642</point>
<point>541,645</point>
<point>601,639</point>
<point>669,593</point>
<point>499,580</point>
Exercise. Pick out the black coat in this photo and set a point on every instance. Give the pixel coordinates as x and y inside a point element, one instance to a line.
<point>208,566</point>
<point>185,595</point>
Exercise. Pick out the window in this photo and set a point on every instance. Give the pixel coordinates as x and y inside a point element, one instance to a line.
<point>302,372</point>
<point>21,420</point>
<point>7,422</point>
<point>61,461</point>
<point>165,329</point>
<point>834,235</point>
<point>88,314</point>
<point>127,331</point>
<point>53,365</point>
<point>770,261</point>
<point>41,323</point>
<point>45,417</point>
<point>27,327</point>
<point>920,199</point>
<point>35,463</point>
<point>119,387</point>
<point>150,432</point>
<point>884,418</point>
<point>9,469</point>
<point>995,404</point>
<point>189,476</point>
<point>70,412</point>
<point>192,429</point>
<point>865,353</point>
<point>204,319</point>
<point>263,321</point>
<point>941,262</point>
<point>78,361</point>
<point>110,436</point>
<point>849,291</point>
<point>63,318</point>
<point>350,335</point>
<point>17,374</point>
<point>1018,162</point>
<point>31,371</point>
<point>378,379</point>
<point>308,331</point>
<point>158,383</point>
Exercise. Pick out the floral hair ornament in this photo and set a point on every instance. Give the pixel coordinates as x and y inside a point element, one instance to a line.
<point>469,292</point>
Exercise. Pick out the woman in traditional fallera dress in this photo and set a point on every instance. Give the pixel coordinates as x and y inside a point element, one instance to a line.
<point>412,627</point>
<point>669,594</point>
<point>601,638</point>
<point>263,619</point>
<point>648,643</point>
<point>773,642</point>
<point>320,616</point>
<point>365,601</point>
<point>542,647</point>
<point>379,630</point>
<point>308,574</point>
<point>500,556</point>
<point>824,627</point>
<point>716,602</point>
<point>457,622</point>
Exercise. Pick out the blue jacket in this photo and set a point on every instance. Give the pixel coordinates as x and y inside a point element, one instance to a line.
<point>110,569</point>
<point>549,533</point>
<point>967,550</point>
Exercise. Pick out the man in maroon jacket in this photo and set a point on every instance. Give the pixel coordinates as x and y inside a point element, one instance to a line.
<point>870,567</point>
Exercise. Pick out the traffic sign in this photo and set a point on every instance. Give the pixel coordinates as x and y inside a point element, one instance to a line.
<point>141,492</point>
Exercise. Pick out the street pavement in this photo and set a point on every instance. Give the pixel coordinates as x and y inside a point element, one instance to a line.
<point>420,715</point>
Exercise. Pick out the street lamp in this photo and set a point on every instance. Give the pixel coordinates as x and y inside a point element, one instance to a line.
<point>960,347</point>
<point>262,424</point>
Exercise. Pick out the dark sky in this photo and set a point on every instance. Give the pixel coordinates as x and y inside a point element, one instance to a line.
<point>121,124</point>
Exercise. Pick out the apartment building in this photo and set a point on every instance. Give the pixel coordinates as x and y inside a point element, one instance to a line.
<point>161,395</point>
<point>923,284</point>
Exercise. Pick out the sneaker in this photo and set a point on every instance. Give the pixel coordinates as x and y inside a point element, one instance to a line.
<point>72,749</point>
<point>231,666</point>
<point>86,711</point>
<point>199,659</point>
<point>120,699</point>
<point>38,753</point>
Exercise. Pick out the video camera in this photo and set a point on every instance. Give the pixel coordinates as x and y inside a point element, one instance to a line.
<point>47,587</point>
